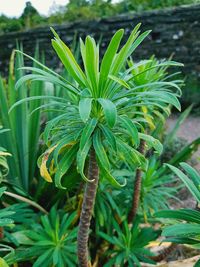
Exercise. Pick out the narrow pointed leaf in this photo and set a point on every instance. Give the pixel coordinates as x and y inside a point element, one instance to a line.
<point>152,142</point>
<point>193,174</point>
<point>64,165</point>
<point>87,131</point>
<point>105,174</point>
<point>119,81</point>
<point>131,128</point>
<point>109,56</point>
<point>189,183</point>
<point>85,106</point>
<point>100,151</point>
<point>110,111</point>
<point>81,158</point>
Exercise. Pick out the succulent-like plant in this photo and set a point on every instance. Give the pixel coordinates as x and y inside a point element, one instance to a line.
<point>128,244</point>
<point>98,120</point>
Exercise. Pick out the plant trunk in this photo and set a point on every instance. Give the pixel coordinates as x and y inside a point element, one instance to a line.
<point>137,188</point>
<point>87,209</point>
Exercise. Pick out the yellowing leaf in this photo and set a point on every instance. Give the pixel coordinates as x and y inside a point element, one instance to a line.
<point>4,153</point>
<point>43,168</point>
<point>3,263</point>
<point>44,172</point>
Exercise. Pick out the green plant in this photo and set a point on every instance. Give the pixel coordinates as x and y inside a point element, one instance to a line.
<point>50,242</point>
<point>5,220</point>
<point>98,117</point>
<point>128,244</point>
<point>142,74</point>
<point>186,222</point>
<point>156,189</point>
<point>4,168</point>
<point>154,196</point>
<point>22,139</point>
<point>5,213</point>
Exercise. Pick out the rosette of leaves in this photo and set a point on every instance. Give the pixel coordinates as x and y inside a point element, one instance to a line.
<point>51,242</point>
<point>98,119</point>
<point>153,75</point>
<point>129,245</point>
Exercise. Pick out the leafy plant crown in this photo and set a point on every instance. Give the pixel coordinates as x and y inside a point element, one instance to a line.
<point>102,108</point>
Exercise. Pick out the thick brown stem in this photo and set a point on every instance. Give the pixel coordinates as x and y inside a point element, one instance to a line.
<point>137,188</point>
<point>87,208</point>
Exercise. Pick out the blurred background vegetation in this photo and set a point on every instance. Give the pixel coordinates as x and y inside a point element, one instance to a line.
<point>82,10</point>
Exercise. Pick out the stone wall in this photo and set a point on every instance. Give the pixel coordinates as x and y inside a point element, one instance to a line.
<point>174,31</point>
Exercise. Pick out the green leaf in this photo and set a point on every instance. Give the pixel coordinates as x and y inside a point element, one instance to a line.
<point>43,258</point>
<point>186,152</point>
<point>124,53</point>
<point>68,60</point>
<point>87,132</point>
<point>109,136</point>
<point>152,142</point>
<point>131,128</point>
<point>56,255</point>
<point>138,41</point>
<point>100,151</point>
<point>64,165</point>
<point>85,106</point>
<point>188,215</point>
<point>109,57</point>
<point>195,177</point>
<point>119,81</point>
<point>105,174</point>
<point>5,222</point>
<point>46,77</point>
<point>107,237</point>
<point>81,158</point>
<point>182,229</point>
<point>91,63</point>
<point>33,98</point>
<point>3,263</point>
<point>110,111</point>
<point>166,97</point>
<point>50,125</point>
<point>182,240</point>
<point>2,189</point>
<point>170,136</point>
<point>130,156</point>
<point>190,185</point>
<point>67,141</point>
<point>197,264</point>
